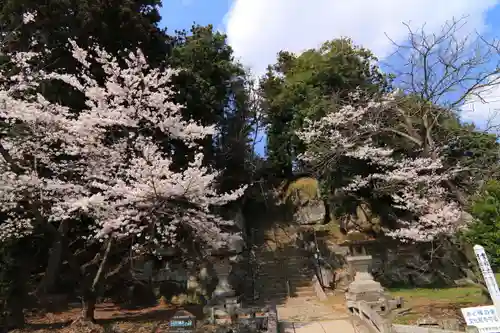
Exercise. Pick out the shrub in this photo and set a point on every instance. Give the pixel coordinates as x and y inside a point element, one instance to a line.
<point>485,228</point>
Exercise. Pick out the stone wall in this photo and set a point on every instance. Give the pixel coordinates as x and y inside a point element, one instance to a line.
<point>420,265</point>
<point>397,264</point>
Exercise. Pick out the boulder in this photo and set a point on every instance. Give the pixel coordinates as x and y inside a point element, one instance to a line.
<point>418,265</point>
<point>311,213</point>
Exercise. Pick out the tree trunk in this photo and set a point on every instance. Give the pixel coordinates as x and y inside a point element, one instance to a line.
<point>90,294</point>
<point>18,295</point>
<point>54,263</point>
<point>89,303</point>
<point>16,312</point>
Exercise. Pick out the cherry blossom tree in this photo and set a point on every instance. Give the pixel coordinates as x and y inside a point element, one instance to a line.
<point>354,135</point>
<point>103,162</point>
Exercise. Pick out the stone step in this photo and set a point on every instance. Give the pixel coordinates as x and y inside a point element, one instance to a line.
<point>283,259</point>
<point>280,265</point>
<point>289,270</point>
<point>290,266</point>
<point>281,280</point>
<point>271,290</point>
<point>271,286</point>
<point>287,258</point>
<point>264,302</point>
<point>304,293</point>
<point>272,294</point>
<point>279,268</point>
<point>282,290</point>
<point>303,288</point>
<point>282,255</point>
<point>296,281</point>
<point>271,249</point>
<point>293,282</point>
<point>294,293</point>
<point>282,275</point>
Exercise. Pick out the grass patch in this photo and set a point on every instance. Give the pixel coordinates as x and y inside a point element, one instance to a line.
<point>450,295</point>
<point>437,302</point>
<point>407,319</point>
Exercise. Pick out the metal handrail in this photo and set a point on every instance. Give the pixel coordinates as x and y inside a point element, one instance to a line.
<point>318,257</point>
<point>287,282</point>
<point>253,264</point>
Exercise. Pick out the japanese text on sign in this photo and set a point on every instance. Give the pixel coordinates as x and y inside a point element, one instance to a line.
<point>483,317</point>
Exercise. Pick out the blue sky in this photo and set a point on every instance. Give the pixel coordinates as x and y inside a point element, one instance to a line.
<point>258,29</point>
<point>180,14</point>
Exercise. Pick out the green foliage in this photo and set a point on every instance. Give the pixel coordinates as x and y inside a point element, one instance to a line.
<point>215,90</point>
<point>476,151</point>
<point>116,24</point>
<point>213,87</point>
<point>307,86</point>
<point>485,230</point>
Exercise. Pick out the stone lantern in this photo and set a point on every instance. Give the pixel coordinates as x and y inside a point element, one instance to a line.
<point>365,288</point>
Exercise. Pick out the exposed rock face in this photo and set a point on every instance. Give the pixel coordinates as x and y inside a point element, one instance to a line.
<point>401,264</point>
<point>419,265</point>
<point>363,219</point>
<point>311,213</point>
<point>303,193</point>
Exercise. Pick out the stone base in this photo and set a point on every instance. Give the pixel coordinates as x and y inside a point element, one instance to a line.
<point>220,310</point>
<point>220,292</point>
<point>232,304</point>
<point>366,290</point>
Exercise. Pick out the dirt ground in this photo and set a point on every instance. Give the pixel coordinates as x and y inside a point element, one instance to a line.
<point>419,309</point>
<point>438,304</point>
<point>109,318</point>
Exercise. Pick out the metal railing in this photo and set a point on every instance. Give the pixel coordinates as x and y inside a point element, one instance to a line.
<point>252,265</point>
<point>318,258</point>
<point>318,262</point>
<point>284,269</point>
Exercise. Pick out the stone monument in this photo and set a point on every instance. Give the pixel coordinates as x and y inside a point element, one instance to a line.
<point>365,288</point>
<point>224,300</point>
<point>224,289</point>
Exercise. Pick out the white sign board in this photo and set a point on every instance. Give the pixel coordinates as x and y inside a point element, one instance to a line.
<point>484,318</point>
<point>488,275</point>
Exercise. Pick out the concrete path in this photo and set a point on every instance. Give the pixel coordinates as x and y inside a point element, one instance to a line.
<point>309,309</point>
<point>309,315</point>
<point>331,326</point>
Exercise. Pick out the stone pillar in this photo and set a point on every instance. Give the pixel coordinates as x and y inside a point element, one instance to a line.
<point>223,288</point>
<point>148,269</point>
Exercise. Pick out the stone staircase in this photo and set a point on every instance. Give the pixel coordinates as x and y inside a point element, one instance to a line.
<point>283,270</point>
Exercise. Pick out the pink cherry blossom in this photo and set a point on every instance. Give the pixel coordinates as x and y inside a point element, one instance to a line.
<point>415,184</point>
<point>62,163</point>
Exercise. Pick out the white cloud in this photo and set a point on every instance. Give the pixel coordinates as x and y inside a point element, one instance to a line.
<point>484,111</point>
<point>258,29</point>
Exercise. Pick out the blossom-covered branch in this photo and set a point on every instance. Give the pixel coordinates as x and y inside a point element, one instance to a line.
<point>103,161</point>
<point>353,135</point>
